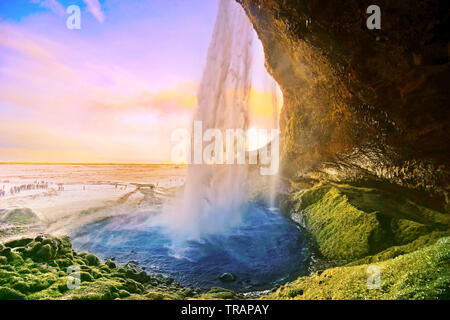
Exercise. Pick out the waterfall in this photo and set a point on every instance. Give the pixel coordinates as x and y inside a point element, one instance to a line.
<point>214,195</point>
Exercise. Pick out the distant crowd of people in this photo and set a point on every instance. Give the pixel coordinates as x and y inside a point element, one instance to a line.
<point>40,185</point>
<point>32,186</point>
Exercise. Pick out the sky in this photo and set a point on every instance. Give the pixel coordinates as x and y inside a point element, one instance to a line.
<point>112,91</point>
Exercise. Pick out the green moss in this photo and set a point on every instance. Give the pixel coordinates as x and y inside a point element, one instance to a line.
<point>110,264</point>
<point>422,274</point>
<point>162,296</point>
<point>124,294</point>
<point>6,276</point>
<point>220,293</point>
<point>341,231</point>
<point>10,294</point>
<point>84,276</point>
<point>393,205</point>
<point>64,263</point>
<point>133,286</point>
<point>40,272</point>
<point>44,253</point>
<point>18,243</point>
<point>21,286</point>
<point>349,223</point>
<point>92,260</point>
<point>396,251</point>
<point>406,231</point>
<point>98,290</point>
<point>13,257</point>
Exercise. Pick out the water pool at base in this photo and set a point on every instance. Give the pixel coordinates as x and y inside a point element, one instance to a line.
<point>264,250</point>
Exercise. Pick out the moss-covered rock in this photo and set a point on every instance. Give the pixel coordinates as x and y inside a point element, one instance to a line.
<point>44,253</point>
<point>133,286</point>
<point>40,272</point>
<point>406,231</point>
<point>341,231</point>
<point>13,257</point>
<point>124,294</point>
<point>85,276</point>
<point>111,264</point>
<point>92,260</point>
<point>134,272</point>
<point>221,294</point>
<point>398,250</point>
<point>10,294</point>
<point>349,223</point>
<point>18,243</point>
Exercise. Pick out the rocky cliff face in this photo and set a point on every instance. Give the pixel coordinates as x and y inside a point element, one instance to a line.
<point>366,107</point>
<point>365,147</point>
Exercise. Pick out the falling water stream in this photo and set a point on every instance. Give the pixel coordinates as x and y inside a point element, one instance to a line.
<point>215,194</point>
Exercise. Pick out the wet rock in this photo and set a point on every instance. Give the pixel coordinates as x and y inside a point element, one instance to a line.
<point>227,277</point>
<point>132,271</point>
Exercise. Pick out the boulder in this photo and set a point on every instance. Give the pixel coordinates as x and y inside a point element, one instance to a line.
<point>110,264</point>
<point>44,253</point>
<point>92,260</point>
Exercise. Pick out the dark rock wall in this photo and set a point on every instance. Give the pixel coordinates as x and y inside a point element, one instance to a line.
<point>362,106</point>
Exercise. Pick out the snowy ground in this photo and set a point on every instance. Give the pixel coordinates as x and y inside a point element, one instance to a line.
<point>86,189</point>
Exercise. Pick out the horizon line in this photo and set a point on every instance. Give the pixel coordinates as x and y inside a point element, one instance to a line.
<point>91,163</point>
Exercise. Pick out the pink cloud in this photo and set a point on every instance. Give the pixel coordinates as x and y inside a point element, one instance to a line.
<point>94,7</point>
<point>53,5</point>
